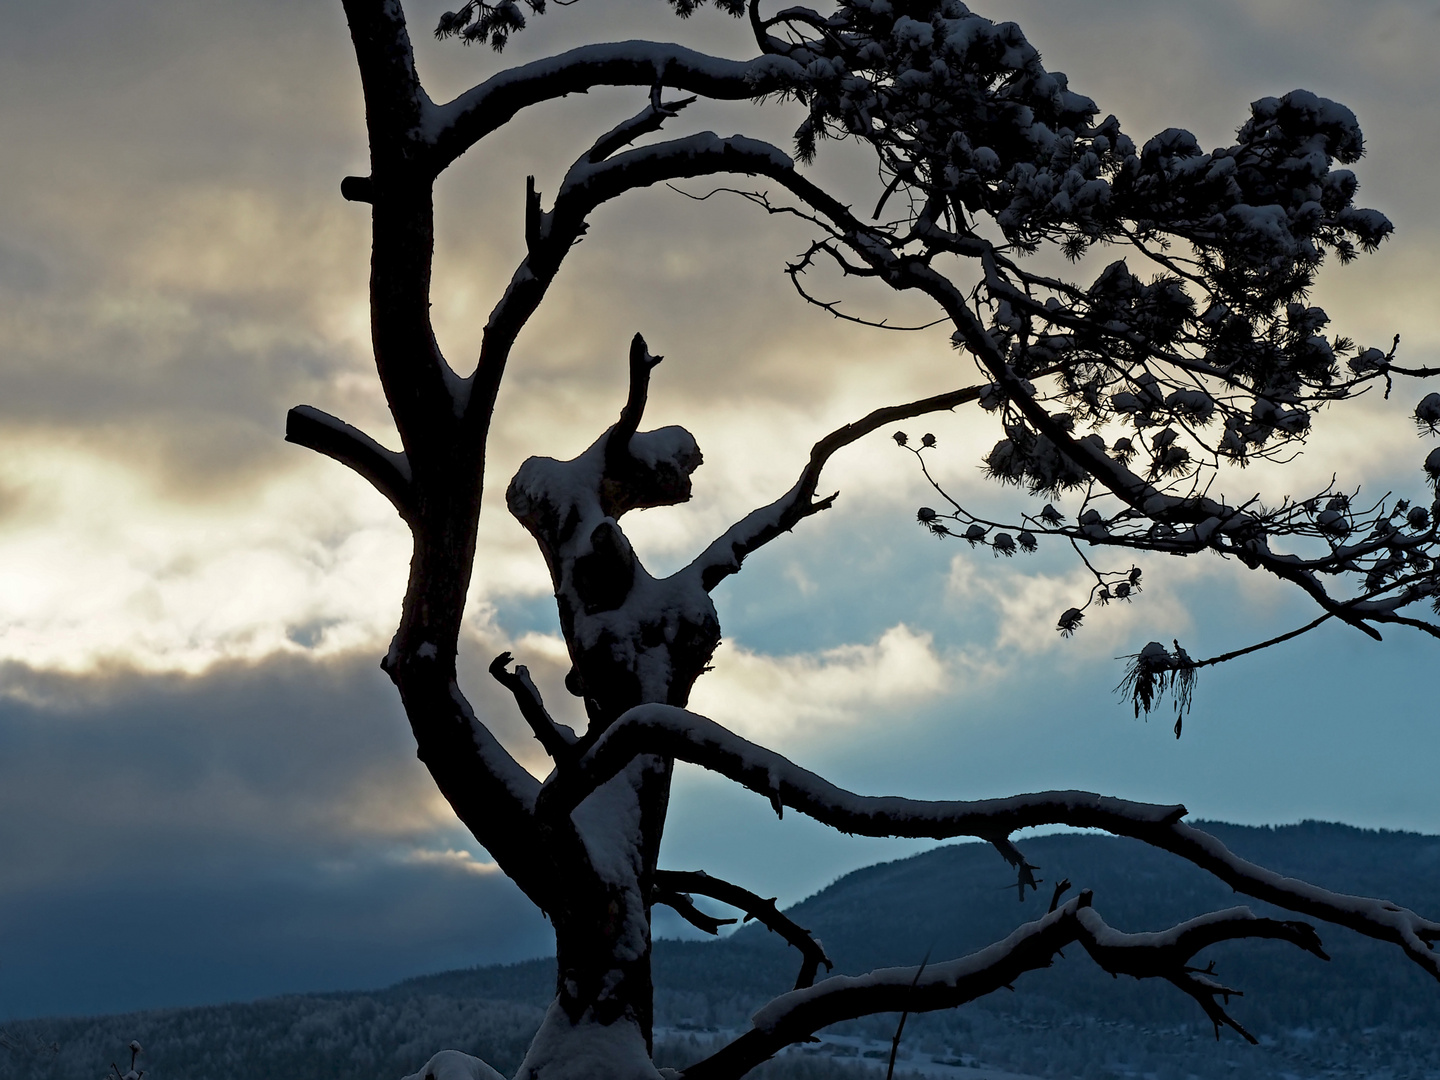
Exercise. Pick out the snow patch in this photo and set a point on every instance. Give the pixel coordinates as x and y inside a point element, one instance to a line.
<point>453,1065</point>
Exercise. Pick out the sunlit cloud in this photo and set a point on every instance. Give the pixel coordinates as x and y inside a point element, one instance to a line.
<point>451,859</point>
<point>811,694</point>
<point>95,565</point>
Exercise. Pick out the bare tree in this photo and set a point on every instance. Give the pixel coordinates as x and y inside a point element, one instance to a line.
<point>1213,360</point>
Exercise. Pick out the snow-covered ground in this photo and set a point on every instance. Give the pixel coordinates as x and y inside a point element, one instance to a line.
<point>863,1052</point>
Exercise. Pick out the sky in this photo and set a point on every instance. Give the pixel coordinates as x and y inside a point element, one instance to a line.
<point>208,791</point>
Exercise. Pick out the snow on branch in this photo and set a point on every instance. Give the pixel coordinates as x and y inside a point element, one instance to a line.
<point>678,883</point>
<point>588,184</point>
<point>686,736</point>
<point>724,556</point>
<point>1374,918</point>
<point>454,127</point>
<point>387,470</point>
<point>795,1016</point>
<point>642,123</point>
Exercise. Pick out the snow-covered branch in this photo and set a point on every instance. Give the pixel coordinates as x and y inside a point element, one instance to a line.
<point>454,127</point>
<point>686,736</point>
<point>793,1017</point>
<point>724,555</point>
<point>1374,918</point>
<point>671,884</point>
<point>649,119</point>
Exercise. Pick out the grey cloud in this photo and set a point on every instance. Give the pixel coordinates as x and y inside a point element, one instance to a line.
<point>131,121</point>
<point>172,839</point>
<point>256,929</point>
<point>153,156</point>
<point>121,773</point>
<point>22,270</point>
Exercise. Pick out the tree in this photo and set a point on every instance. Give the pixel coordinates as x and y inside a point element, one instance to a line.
<point>1140,393</point>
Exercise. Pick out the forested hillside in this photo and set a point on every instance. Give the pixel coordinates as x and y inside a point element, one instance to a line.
<point>1364,1014</point>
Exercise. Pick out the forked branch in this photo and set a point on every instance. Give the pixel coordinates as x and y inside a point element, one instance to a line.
<point>642,123</point>
<point>724,555</point>
<point>551,235</point>
<point>684,906</point>
<point>1166,954</point>
<point>795,1016</point>
<point>755,907</point>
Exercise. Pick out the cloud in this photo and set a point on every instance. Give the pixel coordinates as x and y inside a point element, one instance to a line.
<point>1028,606</point>
<point>779,697</point>
<point>188,271</point>
<point>262,828</point>
<point>96,566</point>
<point>290,755</point>
<point>451,859</point>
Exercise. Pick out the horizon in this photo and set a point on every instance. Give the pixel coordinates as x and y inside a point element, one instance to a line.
<point>688,935</point>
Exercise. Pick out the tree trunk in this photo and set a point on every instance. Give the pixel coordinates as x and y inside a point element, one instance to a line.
<point>601,1021</point>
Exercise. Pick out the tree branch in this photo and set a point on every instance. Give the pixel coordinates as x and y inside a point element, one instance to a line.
<point>1210,524</point>
<point>559,740</point>
<point>617,444</point>
<point>1140,495</point>
<point>454,127</point>
<point>755,907</point>
<point>682,904</point>
<point>686,736</point>
<point>647,120</point>
<point>795,1016</point>
<point>726,553</point>
<point>387,470</point>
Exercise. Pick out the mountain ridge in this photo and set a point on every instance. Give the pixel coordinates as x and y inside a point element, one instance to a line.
<point>1369,1009</point>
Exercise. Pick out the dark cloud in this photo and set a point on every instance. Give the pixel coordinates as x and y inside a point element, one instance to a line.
<point>258,929</point>
<point>255,830</point>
